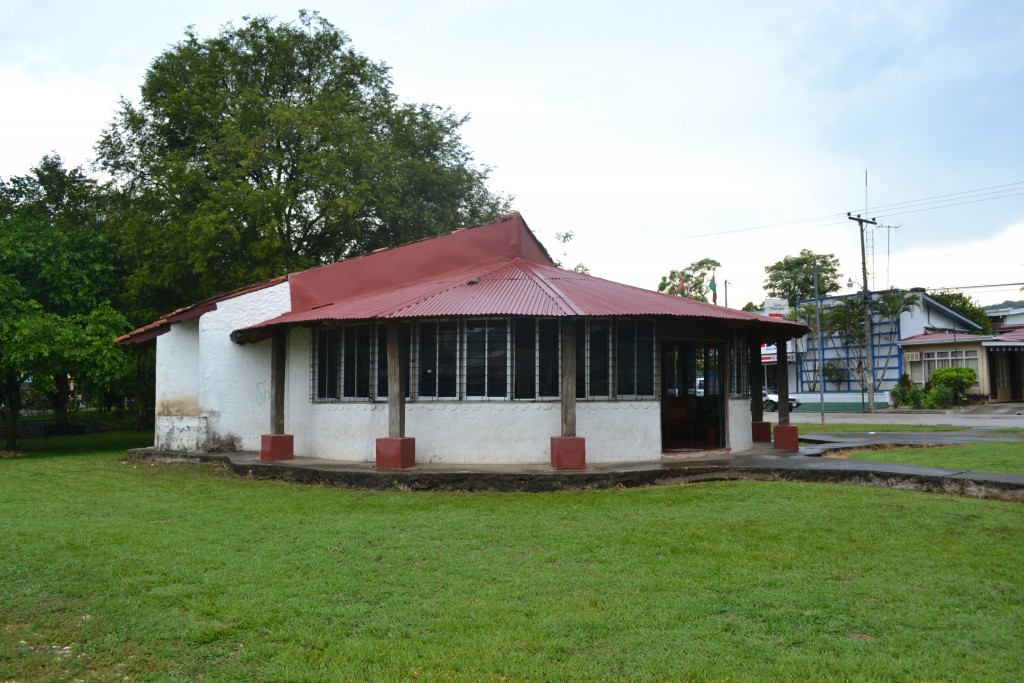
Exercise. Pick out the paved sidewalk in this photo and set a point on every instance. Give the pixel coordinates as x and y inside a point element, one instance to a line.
<point>760,463</point>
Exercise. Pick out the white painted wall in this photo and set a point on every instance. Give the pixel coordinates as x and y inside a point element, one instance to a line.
<point>236,380</point>
<point>462,432</point>
<point>179,425</point>
<point>177,370</point>
<point>619,431</point>
<point>740,437</point>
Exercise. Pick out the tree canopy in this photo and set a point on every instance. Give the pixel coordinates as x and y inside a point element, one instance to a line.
<point>695,279</point>
<point>965,306</point>
<point>272,147</point>
<point>57,281</point>
<point>792,278</point>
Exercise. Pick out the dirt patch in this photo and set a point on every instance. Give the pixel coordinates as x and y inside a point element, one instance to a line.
<point>848,452</point>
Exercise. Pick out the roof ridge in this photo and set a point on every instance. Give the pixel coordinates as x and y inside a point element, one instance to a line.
<point>556,294</point>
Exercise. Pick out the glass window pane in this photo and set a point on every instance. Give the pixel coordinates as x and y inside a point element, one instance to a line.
<point>550,358</point>
<point>581,358</point>
<point>382,360</point>
<point>362,384</point>
<point>447,359</point>
<point>427,355</point>
<point>626,358</point>
<point>645,358</point>
<point>525,357</point>
<point>476,357</point>
<point>348,372</point>
<point>497,359</point>
<point>599,360</point>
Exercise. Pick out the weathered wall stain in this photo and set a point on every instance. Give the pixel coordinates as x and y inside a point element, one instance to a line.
<point>177,406</point>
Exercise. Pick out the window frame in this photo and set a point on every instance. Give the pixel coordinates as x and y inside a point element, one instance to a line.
<point>356,346</point>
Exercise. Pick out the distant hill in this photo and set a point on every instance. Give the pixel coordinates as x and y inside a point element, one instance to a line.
<point>1005,304</point>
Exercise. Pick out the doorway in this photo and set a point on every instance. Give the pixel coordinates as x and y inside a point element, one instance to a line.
<point>692,402</point>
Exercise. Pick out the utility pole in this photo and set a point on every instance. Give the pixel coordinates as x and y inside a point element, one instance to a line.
<point>821,349</point>
<point>868,365</point>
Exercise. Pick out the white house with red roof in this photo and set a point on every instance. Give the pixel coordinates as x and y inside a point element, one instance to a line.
<point>997,359</point>
<point>505,359</point>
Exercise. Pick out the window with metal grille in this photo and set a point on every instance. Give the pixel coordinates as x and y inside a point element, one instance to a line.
<point>739,366</point>
<point>593,358</point>
<point>634,358</point>
<point>537,358</point>
<point>437,359</point>
<point>487,358</point>
<point>326,369</point>
<point>356,365</point>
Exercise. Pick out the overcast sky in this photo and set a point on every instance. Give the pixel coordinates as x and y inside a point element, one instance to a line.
<point>658,132</point>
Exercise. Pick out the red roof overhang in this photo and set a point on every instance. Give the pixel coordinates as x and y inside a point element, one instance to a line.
<point>153,330</point>
<point>517,287</point>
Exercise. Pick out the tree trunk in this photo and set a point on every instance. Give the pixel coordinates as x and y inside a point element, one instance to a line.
<point>13,400</point>
<point>62,388</point>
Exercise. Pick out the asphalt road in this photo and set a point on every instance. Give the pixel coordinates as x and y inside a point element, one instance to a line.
<point>993,416</point>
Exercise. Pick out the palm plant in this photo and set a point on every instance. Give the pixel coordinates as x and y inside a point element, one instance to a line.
<point>889,307</point>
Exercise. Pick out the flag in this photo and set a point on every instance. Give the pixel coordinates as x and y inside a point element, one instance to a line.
<point>681,287</point>
<point>714,289</point>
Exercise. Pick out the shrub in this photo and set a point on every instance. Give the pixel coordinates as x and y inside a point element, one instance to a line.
<point>906,393</point>
<point>940,396</point>
<point>956,381</point>
<point>835,373</point>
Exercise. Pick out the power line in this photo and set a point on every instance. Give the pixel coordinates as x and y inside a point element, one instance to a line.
<point>1002,284</point>
<point>944,206</point>
<point>938,199</point>
<point>981,191</point>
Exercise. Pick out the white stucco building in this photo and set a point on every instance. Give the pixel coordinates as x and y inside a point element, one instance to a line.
<point>505,358</point>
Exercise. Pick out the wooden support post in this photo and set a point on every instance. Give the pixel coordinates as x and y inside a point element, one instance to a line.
<point>277,445</point>
<point>396,382</point>
<point>568,451</point>
<point>568,376</point>
<point>756,383</point>
<point>782,374</point>
<point>397,450</point>
<point>761,431</point>
<point>278,361</point>
<point>786,438</point>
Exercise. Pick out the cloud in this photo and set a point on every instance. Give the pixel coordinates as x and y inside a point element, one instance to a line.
<point>38,117</point>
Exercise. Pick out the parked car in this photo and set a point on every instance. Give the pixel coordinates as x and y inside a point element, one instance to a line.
<point>771,401</point>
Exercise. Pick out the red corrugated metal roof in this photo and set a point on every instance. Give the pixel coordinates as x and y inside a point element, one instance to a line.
<point>499,268</point>
<point>157,327</point>
<point>514,287</point>
<point>942,338</point>
<point>504,239</point>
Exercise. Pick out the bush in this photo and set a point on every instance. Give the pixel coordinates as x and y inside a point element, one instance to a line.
<point>906,393</point>
<point>940,396</point>
<point>955,381</point>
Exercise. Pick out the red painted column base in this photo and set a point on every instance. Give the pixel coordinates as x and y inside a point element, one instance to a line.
<point>394,453</point>
<point>786,438</point>
<point>568,452</point>
<point>761,431</point>
<point>277,447</point>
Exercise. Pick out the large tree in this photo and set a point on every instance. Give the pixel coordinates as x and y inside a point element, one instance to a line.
<point>276,146</point>
<point>57,279</point>
<point>965,306</point>
<point>792,278</point>
<point>693,281</point>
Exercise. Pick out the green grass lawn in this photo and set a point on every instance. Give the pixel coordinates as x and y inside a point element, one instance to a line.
<point>980,457</point>
<point>114,571</point>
